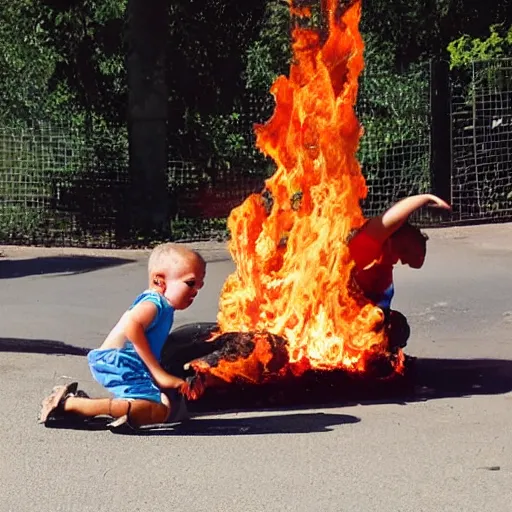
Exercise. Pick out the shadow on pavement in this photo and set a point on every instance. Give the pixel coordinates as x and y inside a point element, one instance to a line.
<point>40,347</point>
<point>301,423</point>
<point>278,424</point>
<point>12,268</point>
<point>425,379</point>
<point>444,378</point>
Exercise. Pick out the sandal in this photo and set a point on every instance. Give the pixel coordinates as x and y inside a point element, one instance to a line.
<point>54,403</point>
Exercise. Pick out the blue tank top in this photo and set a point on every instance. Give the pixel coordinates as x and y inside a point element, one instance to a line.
<point>159,328</point>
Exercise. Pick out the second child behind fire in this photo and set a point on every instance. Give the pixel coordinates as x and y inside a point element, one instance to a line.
<point>380,244</point>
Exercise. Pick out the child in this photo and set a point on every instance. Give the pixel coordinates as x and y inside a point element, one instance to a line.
<point>380,244</point>
<point>127,363</point>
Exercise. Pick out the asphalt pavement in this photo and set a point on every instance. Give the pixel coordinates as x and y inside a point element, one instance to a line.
<point>445,447</point>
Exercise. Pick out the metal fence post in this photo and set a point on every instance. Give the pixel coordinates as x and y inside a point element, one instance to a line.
<point>440,135</point>
<point>147,117</point>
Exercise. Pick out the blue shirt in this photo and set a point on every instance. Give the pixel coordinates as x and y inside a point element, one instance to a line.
<point>159,328</point>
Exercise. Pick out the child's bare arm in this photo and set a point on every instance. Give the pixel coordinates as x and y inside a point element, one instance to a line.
<point>138,321</point>
<point>382,227</point>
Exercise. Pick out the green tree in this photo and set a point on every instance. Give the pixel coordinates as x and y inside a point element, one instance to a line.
<point>62,57</point>
<point>268,56</point>
<point>27,62</point>
<point>419,29</point>
<point>88,38</point>
<point>466,49</point>
<point>206,47</point>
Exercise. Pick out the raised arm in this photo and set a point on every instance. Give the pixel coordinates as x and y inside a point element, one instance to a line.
<point>139,319</point>
<point>382,227</point>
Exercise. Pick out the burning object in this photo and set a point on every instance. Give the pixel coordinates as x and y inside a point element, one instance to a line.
<point>291,306</point>
<point>254,358</point>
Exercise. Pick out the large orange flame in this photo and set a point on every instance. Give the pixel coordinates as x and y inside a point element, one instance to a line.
<point>293,276</point>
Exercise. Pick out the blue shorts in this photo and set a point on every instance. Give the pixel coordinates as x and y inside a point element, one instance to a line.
<point>122,372</point>
<point>383,299</point>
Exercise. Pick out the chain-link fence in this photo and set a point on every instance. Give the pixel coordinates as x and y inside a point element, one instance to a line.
<point>203,193</point>
<point>394,153</point>
<point>63,185</point>
<point>60,185</point>
<point>481,113</point>
<point>395,149</point>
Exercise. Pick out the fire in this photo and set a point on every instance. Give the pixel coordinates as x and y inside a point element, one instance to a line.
<point>254,358</point>
<point>293,276</point>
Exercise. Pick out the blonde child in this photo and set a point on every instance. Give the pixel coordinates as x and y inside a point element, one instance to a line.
<point>127,363</point>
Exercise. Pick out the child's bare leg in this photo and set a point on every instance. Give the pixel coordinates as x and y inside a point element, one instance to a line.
<point>145,412</point>
<point>140,412</point>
